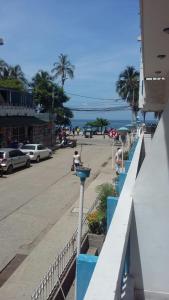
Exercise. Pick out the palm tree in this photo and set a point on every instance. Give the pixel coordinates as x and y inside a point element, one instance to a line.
<point>127,87</point>
<point>51,97</point>
<point>12,77</point>
<point>15,72</point>
<point>99,122</point>
<point>41,77</point>
<point>4,69</point>
<point>42,89</point>
<point>11,72</point>
<point>63,69</point>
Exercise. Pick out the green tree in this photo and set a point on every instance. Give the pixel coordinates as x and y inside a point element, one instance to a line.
<point>42,88</point>
<point>63,68</point>
<point>103,191</point>
<point>12,76</point>
<point>12,84</point>
<point>99,122</point>
<point>51,97</point>
<point>63,116</point>
<point>127,87</point>
<point>15,72</point>
<point>4,73</point>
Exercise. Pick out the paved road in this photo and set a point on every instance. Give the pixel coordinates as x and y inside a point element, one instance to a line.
<point>33,200</point>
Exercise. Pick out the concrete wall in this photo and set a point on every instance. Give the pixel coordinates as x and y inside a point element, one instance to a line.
<point>151,207</point>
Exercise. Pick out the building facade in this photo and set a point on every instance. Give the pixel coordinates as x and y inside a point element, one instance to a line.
<point>19,121</point>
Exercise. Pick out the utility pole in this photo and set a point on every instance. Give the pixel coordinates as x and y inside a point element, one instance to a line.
<point>52,109</point>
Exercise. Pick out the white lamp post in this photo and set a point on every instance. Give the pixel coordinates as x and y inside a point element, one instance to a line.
<point>82,173</point>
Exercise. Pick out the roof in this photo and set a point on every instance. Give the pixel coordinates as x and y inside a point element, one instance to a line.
<point>18,121</point>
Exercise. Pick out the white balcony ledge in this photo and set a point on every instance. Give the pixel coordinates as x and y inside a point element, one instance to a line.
<point>106,280</point>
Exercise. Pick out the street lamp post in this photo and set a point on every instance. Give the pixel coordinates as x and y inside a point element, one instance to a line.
<point>82,173</point>
<point>51,117</point>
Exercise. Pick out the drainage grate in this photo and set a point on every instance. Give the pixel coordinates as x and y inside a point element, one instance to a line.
<point>11,267</point>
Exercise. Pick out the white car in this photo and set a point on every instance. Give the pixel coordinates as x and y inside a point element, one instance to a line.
<point>36,152</point>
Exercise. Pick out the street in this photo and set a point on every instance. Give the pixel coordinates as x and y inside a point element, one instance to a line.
<point>33,200</point>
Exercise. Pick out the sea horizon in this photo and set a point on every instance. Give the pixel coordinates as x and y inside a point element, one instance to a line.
<point>112,123</point>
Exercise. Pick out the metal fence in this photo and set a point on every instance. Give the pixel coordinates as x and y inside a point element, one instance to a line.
<point>52,278</point>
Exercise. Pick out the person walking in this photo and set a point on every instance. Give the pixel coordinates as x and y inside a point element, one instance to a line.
<point>78,130</point>
<point>118,160</point>
<point>76,160</point>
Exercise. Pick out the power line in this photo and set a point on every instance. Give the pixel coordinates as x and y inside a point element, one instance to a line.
<point>117,108</point>
<point>96,98</point>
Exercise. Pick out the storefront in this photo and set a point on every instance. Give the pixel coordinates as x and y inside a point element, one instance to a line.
<point>24,129</point>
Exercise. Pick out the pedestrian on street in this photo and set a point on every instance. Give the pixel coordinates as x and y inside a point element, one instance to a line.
<point>76,160</point>
<point>118,160</point>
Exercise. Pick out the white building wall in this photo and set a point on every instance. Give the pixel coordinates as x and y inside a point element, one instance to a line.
<point>141,85</point>
<point>151,206</point>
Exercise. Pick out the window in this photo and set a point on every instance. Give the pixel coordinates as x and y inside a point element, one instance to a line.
<point>1,154</point>
<point>13,153</point>
<point>19,153</point>
<point>28,147</point>
<point>41,147</point>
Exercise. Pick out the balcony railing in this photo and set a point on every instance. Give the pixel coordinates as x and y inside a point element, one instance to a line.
<point>112,277</point>
<point>9,110</point>
<point>51,281</point>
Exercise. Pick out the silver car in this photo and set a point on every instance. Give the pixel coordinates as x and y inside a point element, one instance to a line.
<point>11,159</point>
<point>36,152</point>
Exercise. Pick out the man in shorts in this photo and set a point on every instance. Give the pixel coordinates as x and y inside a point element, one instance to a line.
<point>76,159</point>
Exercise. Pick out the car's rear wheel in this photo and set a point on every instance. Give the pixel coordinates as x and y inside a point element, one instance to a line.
<point>38,159</point>
<point>10,169</point>
<point>1,172</point>
<point>49,155</point>
<point>28,163</point>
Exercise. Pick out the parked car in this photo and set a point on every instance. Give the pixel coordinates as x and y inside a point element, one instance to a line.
<point>11,159</point>
<point>36,152</point>
<point>88,133</point>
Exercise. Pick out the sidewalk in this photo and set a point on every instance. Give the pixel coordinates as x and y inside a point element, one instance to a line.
<point>28,275</point>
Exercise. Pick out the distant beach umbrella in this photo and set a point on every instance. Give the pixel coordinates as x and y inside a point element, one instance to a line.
<point>123,129</point>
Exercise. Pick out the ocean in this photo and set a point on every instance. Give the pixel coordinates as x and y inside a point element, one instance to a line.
<point>113,123</point>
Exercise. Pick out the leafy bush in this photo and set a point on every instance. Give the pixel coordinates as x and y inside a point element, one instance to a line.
<point>97,219</point>
<point>104,190</point>
<point>96,222</point>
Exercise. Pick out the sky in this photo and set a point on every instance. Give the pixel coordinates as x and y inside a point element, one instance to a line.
<point>99,37</point>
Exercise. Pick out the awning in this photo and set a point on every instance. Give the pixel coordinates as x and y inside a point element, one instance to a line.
<point>21,121</point>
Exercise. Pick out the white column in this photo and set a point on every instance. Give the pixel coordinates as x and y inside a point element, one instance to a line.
<point>80,217</point>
